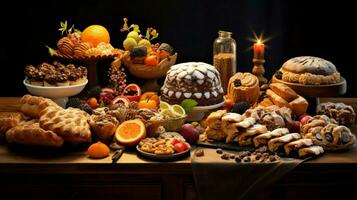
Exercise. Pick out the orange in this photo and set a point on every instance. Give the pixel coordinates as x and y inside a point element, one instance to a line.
<point>151,60</point>
<point>130,132</point>
<point>150,96</point>
<point>147,104</point>
<point>93,103</point>
<point>95,34</point>
<point>98,150</point>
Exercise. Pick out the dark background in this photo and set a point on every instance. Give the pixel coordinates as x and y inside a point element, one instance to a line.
<point>296,28</point>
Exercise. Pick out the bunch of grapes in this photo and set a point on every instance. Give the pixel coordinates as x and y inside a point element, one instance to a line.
<point>117,79</point>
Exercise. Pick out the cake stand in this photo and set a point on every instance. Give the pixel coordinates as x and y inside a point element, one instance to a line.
<point>58,94</point>
<point>90,63</point>
<point>198,112</point>
<point>150,73</point>
<point>313,92</point>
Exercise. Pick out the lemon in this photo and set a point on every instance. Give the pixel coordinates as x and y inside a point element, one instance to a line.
<point>164,105</point>
<point>167,113</point>
<point>178,110</point>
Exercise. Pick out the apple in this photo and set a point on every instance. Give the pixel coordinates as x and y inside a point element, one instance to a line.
<point>190,133</point>
<point>304,119</point>
<point>294,127</point>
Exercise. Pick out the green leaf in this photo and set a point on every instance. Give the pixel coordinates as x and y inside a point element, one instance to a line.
<point>102,104</point>
<point>51,51</point>
<point>189,104</point>
<point>147,34</point>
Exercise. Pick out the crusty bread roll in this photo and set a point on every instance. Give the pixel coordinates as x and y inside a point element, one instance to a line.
<point>30,133</point>
<point>299,105</point>
<point>276,99</point>
<point>283,91</point>
<point>33,105</point>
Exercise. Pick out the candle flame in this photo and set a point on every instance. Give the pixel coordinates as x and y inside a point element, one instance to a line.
<point>259,41</point>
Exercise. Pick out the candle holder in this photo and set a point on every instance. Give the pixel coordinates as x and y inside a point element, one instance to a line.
<point>258,70</point>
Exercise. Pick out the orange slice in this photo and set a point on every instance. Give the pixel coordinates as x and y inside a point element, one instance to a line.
<point>130,132</point>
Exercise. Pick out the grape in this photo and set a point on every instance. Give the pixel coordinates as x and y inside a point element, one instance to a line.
<point>129,43</point>
<point>135,35</point>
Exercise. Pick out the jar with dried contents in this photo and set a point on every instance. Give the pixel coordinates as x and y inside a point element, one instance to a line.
<point>224,56</point>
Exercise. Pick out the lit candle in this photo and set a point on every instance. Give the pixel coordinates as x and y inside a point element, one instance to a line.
<point>258,50</point>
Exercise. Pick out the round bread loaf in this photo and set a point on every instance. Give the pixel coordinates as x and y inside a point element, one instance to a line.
<point>309,70</point>
<point>309,64</point>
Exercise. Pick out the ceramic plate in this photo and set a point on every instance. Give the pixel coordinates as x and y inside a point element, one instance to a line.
<point>163,157</point>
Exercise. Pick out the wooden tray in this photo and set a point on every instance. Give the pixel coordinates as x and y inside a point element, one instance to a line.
<point>328,90</point>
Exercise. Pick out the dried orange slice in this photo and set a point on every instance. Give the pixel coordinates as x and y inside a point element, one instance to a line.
<point>130,132</point>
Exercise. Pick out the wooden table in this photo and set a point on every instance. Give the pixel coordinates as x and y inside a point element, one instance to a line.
<point>74,176</point>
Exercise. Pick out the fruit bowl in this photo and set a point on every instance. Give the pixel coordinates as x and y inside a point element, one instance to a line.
<point>59,94</point>
<point>150,73</point>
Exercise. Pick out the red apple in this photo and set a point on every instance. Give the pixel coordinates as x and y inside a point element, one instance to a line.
<point>304,119</point>
<point>190,133</point>
<point>294,127</point>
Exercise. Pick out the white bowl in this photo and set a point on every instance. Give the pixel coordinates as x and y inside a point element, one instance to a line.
<point>198,112</point>
<point>59,94</point>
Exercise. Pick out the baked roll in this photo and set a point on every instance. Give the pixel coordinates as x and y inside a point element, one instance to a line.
<point>215,134</point>
<point>310,151</point>
<point>276,143</point>
<point>283,91</point>
<point>246,123</point>
<point>299,105</point>
<point>71,124</point>
<point>30,133</point>
<point>342,113</point>
<point>276,99</point>
<point>295,145</point>
<point>8,120</point>
<point>263,139</point>
<point>33,105</point>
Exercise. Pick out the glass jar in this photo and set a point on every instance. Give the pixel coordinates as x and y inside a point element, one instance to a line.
<point>224,56</point>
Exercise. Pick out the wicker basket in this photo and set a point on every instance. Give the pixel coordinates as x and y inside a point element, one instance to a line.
<point>150,72</point>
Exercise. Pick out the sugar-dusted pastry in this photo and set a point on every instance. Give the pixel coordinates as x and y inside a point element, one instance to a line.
<point>104,126</point>
<point>30,133</point>
<point>246,123</point>
<point>215,134</point>
<point>263,139</point>
<point>192,80</point>
<point>309,70</point>
<point>245,138</point>
<point>293,146</point>
<point>310,151</point>
<point>276,143</point>
<point>342,113</point>
<point>299,105</point>
<point>232,117</point>
<point>283,91</point>
<point>243,87</point>
<point>33,105</point>
<point>71,124</point>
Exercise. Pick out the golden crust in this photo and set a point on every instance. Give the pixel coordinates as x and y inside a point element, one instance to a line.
<point>71,124</point>
<point>33,105</point>
<point>310,79</point>
<point>30,133</point>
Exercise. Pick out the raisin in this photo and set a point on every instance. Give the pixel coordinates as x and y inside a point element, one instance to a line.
<point>237,83</point>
